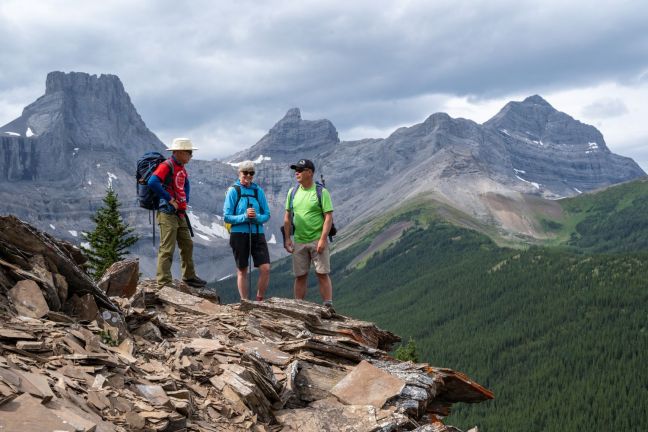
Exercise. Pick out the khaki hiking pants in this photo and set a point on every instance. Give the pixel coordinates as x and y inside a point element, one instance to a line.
<point>174,229</point>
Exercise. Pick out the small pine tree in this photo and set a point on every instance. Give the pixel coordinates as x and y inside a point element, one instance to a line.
<point>407,352</point>
<point>110,238</point>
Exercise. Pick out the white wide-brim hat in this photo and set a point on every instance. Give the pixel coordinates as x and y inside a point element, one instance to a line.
<point>181,144</point>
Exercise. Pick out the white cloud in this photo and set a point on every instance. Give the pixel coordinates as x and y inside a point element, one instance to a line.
<point>215,140</point>
<point>625,132</point>
<point>606,107</point>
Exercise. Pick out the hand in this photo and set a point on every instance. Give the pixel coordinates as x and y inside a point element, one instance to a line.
<point>251,214</point>
<point>288,245</point>
<point>321,245</point>
<point>174,203</point>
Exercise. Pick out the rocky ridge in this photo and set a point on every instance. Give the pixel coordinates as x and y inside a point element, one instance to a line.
<point>529,149</point>
<point>173,359</point>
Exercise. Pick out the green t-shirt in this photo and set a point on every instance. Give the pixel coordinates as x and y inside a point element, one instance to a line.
<point>308,215</point>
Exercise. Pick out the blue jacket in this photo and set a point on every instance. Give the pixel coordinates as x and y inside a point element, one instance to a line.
<point>155,183</point>
<point>238,216</point>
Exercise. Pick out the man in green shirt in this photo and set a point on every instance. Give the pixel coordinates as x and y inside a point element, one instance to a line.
<point>313,220</point>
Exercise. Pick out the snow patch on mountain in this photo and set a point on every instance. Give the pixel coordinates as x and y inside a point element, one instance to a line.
<point>534,184</point>
<point>213,230</point>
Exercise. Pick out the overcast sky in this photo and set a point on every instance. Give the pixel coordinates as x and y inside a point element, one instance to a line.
<point>223,72</point>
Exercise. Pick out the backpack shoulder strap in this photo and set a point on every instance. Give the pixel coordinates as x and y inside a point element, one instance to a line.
<point>293,192</point>
<point>318,190</point>
<point>256,197</point>
<point>237,188</point>
<point>319,187</point>
<point>169,177</point>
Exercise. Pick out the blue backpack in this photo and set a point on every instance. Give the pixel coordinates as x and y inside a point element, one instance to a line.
<point>145,167</point>
<point>146,198</point>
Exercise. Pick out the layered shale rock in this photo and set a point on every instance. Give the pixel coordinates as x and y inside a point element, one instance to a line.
<point>172,359</point>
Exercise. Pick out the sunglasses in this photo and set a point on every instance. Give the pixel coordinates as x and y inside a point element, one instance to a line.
<point>300,170</point>
<point>250,173</point>
<point>190,152</point>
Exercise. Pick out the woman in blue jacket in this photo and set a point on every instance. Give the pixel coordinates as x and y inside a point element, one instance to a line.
<point>246,209</point>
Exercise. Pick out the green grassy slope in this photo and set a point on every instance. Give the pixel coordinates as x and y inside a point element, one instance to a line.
<point>612,220</point>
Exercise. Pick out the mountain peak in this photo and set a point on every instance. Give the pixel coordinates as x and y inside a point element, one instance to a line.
<point>293,114</point>
<point>532,115</point>
<point>104,118</point>
<point>534,120</point>
<point>536,100</point>
<point>437,118</point>
<point>81,82</point>
<point>292,135</point>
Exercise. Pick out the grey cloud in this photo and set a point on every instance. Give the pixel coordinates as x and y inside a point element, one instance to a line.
<point>605,108</point>
<point>636,148</point>
<point>643,77</point>
<point>241,65</point>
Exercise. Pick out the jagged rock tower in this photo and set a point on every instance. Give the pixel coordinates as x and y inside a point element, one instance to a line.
<point>81,119</point>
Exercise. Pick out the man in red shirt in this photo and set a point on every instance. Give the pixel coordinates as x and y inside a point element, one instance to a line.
<point>171,184</point>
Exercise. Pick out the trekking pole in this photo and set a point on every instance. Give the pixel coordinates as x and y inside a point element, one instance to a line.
<point>188,223</point>
<point>153,225</point>
<point>250,255</point>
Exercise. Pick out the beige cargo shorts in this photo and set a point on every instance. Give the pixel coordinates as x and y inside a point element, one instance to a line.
<point>304,253</point>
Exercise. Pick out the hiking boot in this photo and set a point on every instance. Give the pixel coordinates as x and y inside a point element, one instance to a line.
<point>329,307</point>
<point>195,282</point>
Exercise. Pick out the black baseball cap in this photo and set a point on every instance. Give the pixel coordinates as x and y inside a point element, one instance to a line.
<point>303,164</point>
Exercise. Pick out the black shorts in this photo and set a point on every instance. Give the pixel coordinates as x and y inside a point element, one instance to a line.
<point>240,243</point>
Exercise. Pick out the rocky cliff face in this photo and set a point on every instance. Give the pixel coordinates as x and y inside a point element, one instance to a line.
<point>551,149</point>
<point>84,134</point>
<point>81,118</point>
<point>292,133</point>
<point>59,156</point>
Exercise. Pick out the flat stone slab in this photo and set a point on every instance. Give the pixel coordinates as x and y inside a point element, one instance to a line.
<point>120,279</point>
<point>367,385</point>
<point>331,415</point>
<point>28,299</point>
<point>154,394</point>
<point>6,333</point>
<point>188,302</point>
<point>268,353</point>
<point>205,346</point>
<point>27,414</point>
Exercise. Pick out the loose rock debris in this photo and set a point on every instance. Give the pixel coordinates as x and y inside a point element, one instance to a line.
<point>173,359</point>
